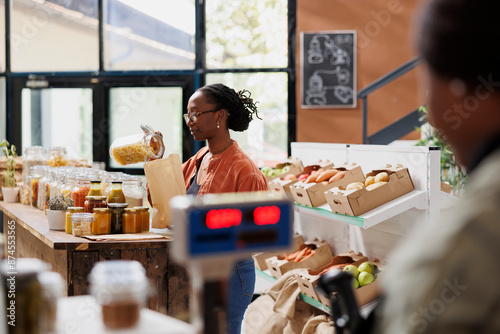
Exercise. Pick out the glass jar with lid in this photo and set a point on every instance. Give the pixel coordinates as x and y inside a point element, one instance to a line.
<point>116,195</point>
<point>36,173</point>
<point>92,202</point>
<point>117,210</point>
<point>47,188</point>
<point>28,296</point>
<point>144,211</point>
<point>52,289</point>
<point>132,221</point>
<point>68,184</point>
<point>141,147</point>
<point>41,187</point>
<point>57,157</point>
<point>69,224</point>
<point>33,156</point>
<point>55,183</point>
<point>82,223</point>
<point>132,190</point>
<point>95,188</point>
<point>109,178</point>
<point>102,221</point>
<point>121,288</point>
<point>80,190</point>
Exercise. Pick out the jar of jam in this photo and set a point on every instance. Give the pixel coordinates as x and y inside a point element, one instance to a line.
<point>117,210</point>
<point>71,210</point>
<point>132,222</point>
<point>116,195</point>
<point>82,223</point>
<point>144,217</point>
<point>102,221</point>
<point>95,188</point>
<point>92,202</point>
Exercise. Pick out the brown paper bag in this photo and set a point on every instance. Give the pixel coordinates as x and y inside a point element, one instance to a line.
<point>165,181</point>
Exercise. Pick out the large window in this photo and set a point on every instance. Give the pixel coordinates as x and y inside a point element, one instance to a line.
<point>58,117</point>
<point>80,83</point>
<point>149,34</point>
<point>265,141</point>
<point>54,35</point>
<point>246,33</point>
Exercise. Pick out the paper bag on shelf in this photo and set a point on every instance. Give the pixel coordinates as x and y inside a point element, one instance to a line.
<point>165,181</point>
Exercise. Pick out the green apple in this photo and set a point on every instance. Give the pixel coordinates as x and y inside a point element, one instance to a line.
<point>266,170</point>
<point>351,269</point>
<point>355,283</point>
<point>274,173</point>
<point>365,278</point>
<point>367,267</point>
<point>285,169</point>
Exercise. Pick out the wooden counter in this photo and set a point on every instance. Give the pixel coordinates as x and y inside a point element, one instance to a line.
<point>74,257</point>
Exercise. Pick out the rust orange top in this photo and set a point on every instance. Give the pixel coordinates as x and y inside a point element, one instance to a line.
<point>230,171</point>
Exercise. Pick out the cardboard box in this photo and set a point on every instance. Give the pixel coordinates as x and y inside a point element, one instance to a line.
<point>365,294</point>
<point>357,202</point>
<point>278,266</point>
<point>278,185</point>
<point>308,280</point>
<point>260,258</point>
<point>295,165</point>
<point>313,194</point>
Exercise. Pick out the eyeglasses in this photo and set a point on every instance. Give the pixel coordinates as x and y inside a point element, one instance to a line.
<point>194,117</point>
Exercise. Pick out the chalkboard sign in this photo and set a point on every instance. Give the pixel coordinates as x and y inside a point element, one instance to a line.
<point>328,64</point>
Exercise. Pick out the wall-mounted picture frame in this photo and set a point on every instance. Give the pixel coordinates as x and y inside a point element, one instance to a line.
<point>328,69</point>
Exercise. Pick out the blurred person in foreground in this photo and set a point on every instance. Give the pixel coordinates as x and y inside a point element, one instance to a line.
<point>445,278</point>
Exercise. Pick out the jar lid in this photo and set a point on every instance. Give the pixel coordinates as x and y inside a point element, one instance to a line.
<point>95,181</point>
<point>82,216</point>
<point>132,209</point>
<point>96,198</point>
<point>101,210</point>
<point>116,181</point>
<point>52,283</point>
<point>75,208</point>
<point>117,205</point>
<point>141,208</point>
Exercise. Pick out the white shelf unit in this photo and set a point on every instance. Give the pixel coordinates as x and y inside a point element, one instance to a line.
<point>422,163</point>
<point>378,231</point>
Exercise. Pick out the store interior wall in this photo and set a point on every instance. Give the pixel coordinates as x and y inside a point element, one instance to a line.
<point>385,31</point>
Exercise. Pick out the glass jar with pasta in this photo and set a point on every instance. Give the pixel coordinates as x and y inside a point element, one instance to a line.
<point>57,157</point>
<point>137,148</point>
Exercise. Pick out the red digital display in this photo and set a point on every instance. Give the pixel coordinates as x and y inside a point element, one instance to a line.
<point>266,215</point>
<point>223,218</point>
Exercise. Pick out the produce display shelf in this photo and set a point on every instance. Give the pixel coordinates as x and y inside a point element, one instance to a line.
<point>414,199</point>
<point>364,310</point>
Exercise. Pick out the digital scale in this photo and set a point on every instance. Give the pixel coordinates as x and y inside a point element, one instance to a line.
<point>214,231</point>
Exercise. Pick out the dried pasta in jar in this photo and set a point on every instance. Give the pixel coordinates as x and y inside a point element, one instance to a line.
<point>137,148</point>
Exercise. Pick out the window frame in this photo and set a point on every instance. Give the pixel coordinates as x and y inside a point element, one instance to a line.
<point>101,80</point>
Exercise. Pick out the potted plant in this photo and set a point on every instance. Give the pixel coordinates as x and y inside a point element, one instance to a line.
<point>56,212</point>
<point>9,190</point>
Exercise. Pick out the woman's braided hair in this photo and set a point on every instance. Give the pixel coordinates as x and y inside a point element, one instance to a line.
<point>239,105</point>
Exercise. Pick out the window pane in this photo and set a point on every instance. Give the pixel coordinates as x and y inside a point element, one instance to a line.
<point>149,34</point>
<point>246,33</point>
<point>160,107</point>
<point>266,140</point>
<point>54,35</point>
<point>58,117</point>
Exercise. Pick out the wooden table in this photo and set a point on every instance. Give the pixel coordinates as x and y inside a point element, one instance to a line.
<point>74,257</point>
